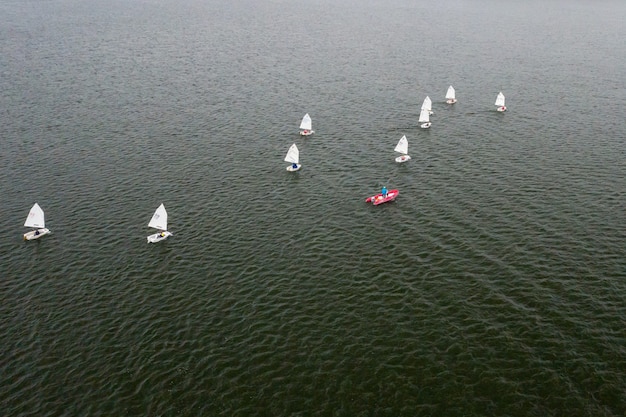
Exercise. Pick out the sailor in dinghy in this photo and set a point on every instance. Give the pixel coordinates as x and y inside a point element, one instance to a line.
<point>35,219</point>
<point>450,95</point>
<point>159,222</point>
<point>306,126</point>
<point>500,102</point>
<point>293,156</point>
<point>403,148</point>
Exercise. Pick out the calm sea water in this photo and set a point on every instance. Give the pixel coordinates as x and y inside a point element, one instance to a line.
<point>495,284</point>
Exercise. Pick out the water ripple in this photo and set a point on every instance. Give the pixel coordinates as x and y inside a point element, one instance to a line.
<point>493,284</point>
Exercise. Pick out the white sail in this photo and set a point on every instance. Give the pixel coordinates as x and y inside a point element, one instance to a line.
<point>428,104</point>
<point>35,217</point>
<point>159,219</point>
<point>293,155</point>
<point>500,100</point>
<point>402,146</point>
<point>424,116</point>
<point>306,123</point>
<point>450,95</point>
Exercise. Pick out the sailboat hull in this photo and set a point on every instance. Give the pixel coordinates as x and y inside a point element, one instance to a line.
<point>290,168</point>
<point>306,132</point>
<point>157,237</point>
<point>425,125</point>
<point>36,234</point>
<point>501,108</point>
<point>403,158</point>
<point>379,199</point>
<point>451,101</point>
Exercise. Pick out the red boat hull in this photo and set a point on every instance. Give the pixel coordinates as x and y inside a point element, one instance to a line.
<point>379,199</point>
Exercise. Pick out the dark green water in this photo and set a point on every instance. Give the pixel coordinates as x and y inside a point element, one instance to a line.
<point>493,286</point>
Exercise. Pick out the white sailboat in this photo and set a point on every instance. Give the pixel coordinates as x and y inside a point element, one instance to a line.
<point>403,148</point>
<point>500,102</point>
<point>451,95</point>
<point>159,222</point>
<point>424,119</point>
<point>306,126</point>
<point>35,219</point>
<point>428,105</point>
<point>293,156</point>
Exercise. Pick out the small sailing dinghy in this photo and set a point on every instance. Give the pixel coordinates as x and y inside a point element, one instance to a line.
<point>403,148</point>
<point>380,198</point>
<point>293,156</point>
<point>424,119</point>
<point>500,102</point>
<point>428,105</point>
<point>305,126</point>
<point>35,219</point>
<point>451,95</point>
<point>159,222</point>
